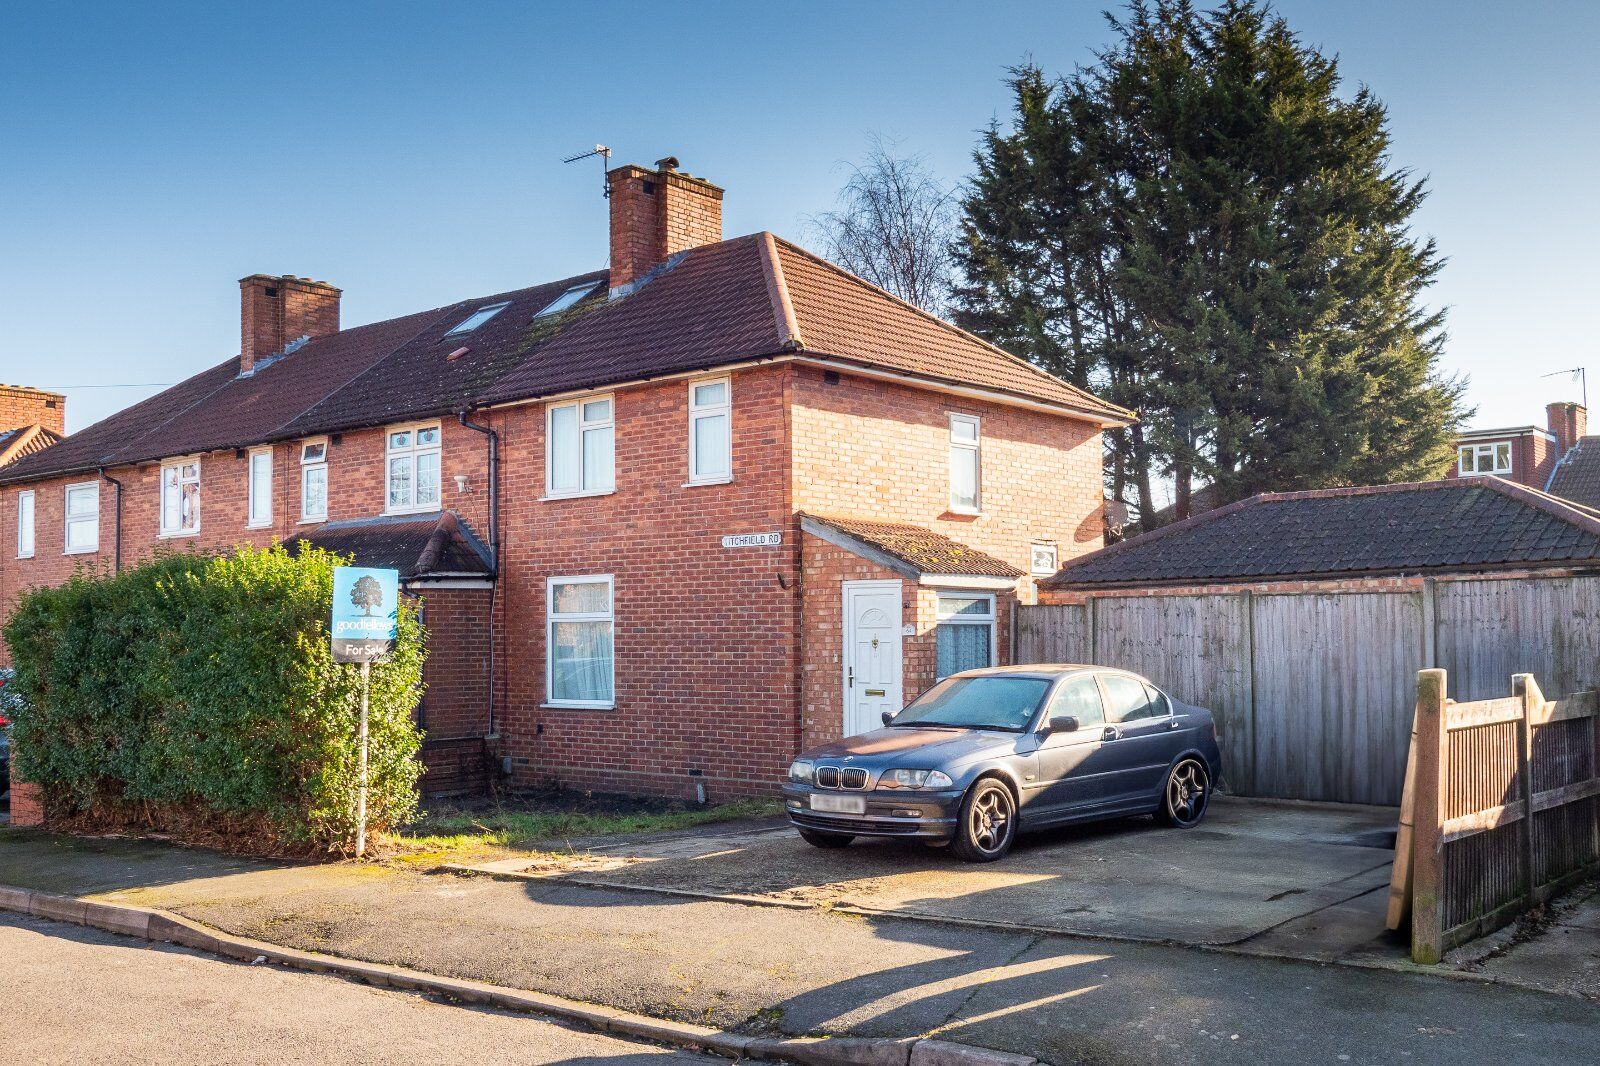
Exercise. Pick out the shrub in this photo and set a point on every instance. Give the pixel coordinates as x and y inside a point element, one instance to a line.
<point>197,695</point>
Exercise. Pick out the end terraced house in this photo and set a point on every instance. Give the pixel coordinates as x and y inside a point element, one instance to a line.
<point>669,521</point>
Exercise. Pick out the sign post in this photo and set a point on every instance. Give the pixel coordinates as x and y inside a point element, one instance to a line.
<point>364,626</point>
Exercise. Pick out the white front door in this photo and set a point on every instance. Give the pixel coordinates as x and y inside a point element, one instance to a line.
<point>872,661</point>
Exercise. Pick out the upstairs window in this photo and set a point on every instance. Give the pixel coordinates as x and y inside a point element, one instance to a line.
<point>710,431</point>
<point>965,464</point>
<point>260,488</point>
<point>413,454</point>
<point>478,318</point>
<point>581,448</point>
<point>567,299</point>
<point>25,524</point>
<point>314,481</point>
<point>180,498</point>
<point>964,635</point>
<point>82,526</point>
<point>1485,458</point>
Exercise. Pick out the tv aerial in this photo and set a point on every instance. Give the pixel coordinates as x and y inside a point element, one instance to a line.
<point>604,155</point>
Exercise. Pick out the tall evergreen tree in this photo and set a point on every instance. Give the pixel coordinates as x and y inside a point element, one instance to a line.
<point>1202,229</point>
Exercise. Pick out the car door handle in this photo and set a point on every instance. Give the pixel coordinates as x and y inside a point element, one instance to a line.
<point>1111,733</point>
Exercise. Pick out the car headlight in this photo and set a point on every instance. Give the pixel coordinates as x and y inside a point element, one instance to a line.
<point>800,771</point>
<point>914,779</point>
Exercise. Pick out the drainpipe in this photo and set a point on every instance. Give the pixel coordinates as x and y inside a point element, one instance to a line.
<point>494,547</point>
<point>116,536</point>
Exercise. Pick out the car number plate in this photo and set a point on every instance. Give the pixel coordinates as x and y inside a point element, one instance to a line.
<point>840,804</point>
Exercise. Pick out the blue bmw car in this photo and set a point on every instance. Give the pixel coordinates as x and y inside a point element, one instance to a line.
<point>989,753</point>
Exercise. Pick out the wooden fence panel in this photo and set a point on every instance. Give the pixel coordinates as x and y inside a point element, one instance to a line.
<point>1335,675</point>
<point>1054,633</point>
<point>1196,647</point>
<point>1488,630</point>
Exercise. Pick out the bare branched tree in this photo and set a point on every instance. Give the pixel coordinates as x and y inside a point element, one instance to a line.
<point>894,226</point>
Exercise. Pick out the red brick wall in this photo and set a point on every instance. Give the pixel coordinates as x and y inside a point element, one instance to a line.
<point>26,809</point>
<point>22,406</point>
<point>1533,457</point>
<point>455,706</point>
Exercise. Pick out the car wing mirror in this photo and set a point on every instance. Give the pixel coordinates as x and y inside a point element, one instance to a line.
<point>1062,723</point>
<point>888,717</point>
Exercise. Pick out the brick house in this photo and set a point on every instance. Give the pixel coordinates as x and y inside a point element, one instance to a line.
<point>669,521</point>
<point>1527,455</point>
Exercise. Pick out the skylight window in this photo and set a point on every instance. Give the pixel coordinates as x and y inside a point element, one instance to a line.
<point>478,318</point>
<point>568,298</point>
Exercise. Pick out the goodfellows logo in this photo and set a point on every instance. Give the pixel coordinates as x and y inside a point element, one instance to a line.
<point>365,616</point>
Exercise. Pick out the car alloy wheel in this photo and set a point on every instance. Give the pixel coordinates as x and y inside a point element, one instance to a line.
<point>988,823</point>
<point>1188,794</point>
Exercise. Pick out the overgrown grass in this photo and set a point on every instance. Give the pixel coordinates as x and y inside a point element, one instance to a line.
<point>503,829</point>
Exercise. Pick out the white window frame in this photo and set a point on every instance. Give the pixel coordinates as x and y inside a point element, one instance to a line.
<point>975,446</point>
<point>1033,558</point>
<point>584,426</point>
<point>308,466</point>
<point>67,520</point>
<point>26,546</point>
<point>1478,452</point>
<point>161,497</point>
<point>550,620</point>
<point>253,520</point>
<point>992,620</point>
<point>701,411</point>
<point>415,451</point>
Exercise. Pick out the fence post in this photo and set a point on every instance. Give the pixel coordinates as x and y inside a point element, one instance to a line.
<point>1527,688</point>
<point>1427,905</point>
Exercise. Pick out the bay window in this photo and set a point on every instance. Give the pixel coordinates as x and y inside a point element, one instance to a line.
<point>710,431</point>
<point>81,532</point>
<point>580,654</point>
<point>580,446</point>
<point>413,465</point>
<point>314,481</point>
<point>180,498</point>
<point>964,634</point>
<point>965,464</point>
<point>260,488</point>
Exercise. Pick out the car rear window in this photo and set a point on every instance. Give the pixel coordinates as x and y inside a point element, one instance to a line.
<point>977,703</point>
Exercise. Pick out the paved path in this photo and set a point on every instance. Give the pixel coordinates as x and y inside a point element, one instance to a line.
<point>81,996</point>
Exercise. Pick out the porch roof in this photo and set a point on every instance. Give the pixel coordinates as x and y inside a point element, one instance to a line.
<point>914,551</point>
<point>422,547</point>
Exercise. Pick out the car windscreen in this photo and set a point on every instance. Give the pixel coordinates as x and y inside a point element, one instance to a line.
<point>977,703</point>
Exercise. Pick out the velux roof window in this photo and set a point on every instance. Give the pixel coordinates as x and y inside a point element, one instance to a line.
<point>478,318</point>
<point>568,298</point>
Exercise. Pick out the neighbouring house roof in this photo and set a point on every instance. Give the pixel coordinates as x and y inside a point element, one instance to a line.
<point>1577,476</point>
<point>25,440</point>
<point>421,547</point>
<point>915,551</point>
<point>749,298</point>
<point>1472,524</point>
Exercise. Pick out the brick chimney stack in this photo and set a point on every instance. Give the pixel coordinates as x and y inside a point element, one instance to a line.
<point>655,214</point>
<point>21,406</point>
<point>276,311</point>
<point>1568,422</point>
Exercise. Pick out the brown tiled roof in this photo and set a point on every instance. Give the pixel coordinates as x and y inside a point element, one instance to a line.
<point>25,440</point>
<point>420,546</point>
<point>1577,476</point>
<point>1462,525</point>
<point>921,548</point>
<point>749,298</point>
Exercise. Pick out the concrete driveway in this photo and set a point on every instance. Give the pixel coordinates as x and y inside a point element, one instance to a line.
<point>1254,870</point>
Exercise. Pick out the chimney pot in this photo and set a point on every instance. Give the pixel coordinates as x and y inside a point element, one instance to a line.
<point>655,214</point>
<point>275,311</point>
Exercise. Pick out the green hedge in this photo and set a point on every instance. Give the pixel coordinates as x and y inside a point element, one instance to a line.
<point>197,695</point>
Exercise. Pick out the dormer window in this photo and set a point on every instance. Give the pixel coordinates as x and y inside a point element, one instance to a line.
<point>1494,458</point>
<point>568,298</point>
<point>478,318</point>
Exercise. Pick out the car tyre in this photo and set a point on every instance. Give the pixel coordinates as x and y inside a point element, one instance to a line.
<point>818,839</point>
<point>988,823</point>
<point>1186,796</point>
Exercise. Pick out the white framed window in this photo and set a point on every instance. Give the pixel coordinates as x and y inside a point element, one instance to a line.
<point>1493,458</point>
<point>313,480</point>
<point>580,651</point>
<point>964,634</point>
<point>260,488</point>
<point>81,528</point>
<point>180,498</point>
<point>710,431</point>
<point>965,464</point>
<point>580,452</point>
<point>25,514</point>
<point>1045,559</point>
<point>413,465</point>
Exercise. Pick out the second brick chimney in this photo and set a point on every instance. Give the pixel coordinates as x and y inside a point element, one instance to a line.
<point>1568,422</point>
<point>22,406</point>
<point>277,311</point>
<point>655,214</point>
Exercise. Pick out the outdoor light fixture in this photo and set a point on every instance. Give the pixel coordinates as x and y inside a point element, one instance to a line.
<point>461,483</point>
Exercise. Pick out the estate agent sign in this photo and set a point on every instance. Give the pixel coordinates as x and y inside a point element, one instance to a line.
<point>365,602</point>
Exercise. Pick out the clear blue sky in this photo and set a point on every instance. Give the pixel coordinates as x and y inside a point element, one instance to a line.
<point>151,155</point>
